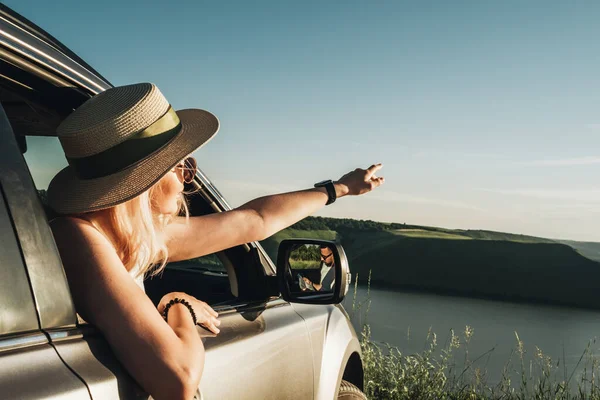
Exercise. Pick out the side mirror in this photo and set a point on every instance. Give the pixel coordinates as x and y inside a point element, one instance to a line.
<point>312,271</point>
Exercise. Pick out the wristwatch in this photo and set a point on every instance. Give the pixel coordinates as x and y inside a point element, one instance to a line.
<point>328,184</point>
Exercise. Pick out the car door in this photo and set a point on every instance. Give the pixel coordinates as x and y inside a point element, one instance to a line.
<point>262,352</point>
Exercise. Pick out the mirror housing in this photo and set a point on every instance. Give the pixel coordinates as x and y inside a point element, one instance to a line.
<point>289,280</point>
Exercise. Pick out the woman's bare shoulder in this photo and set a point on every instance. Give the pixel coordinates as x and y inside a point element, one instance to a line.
<point>68,225</point>
<point>68,220</point>
<point>77,238</point>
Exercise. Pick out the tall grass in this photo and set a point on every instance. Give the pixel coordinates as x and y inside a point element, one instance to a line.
<point>449,371</point>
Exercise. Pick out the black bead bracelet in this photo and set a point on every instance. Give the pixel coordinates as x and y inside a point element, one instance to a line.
<point>180,301</point>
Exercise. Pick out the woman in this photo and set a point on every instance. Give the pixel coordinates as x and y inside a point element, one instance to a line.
<point>120,201</point>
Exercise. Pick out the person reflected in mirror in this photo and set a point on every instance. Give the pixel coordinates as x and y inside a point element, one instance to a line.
<point>327,273</point>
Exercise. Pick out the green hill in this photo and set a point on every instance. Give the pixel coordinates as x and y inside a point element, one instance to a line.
<point>463,262</point>
<point>590,250</point>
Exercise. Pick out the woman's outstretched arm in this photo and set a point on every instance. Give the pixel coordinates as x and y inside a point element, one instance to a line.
<point>259,218</point>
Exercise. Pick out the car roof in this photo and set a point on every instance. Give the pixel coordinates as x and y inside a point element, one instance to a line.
<point>26,25</point>
<point>42,80</point>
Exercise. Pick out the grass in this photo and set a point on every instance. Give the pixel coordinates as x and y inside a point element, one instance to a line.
<point>304,264</point>
<point>449,371</point>
<point>421,233</point>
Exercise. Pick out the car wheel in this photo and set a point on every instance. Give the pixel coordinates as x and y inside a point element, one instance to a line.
<point>350,392</point>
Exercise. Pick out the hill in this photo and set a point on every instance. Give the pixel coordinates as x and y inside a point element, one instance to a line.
<point>590,250</point>
<point>462,262</point>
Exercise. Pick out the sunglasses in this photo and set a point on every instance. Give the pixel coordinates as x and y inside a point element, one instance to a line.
<point>187,169</point>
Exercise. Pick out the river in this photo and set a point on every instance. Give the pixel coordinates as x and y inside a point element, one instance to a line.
<point>403,319</point>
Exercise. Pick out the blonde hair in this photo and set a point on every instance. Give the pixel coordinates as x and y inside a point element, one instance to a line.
<point>136,230</point>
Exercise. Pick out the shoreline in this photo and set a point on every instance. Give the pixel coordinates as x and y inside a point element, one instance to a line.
<point>477,296</point>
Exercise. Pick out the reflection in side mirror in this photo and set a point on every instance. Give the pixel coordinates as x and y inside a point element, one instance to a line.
<point>313,267</point>
<point>312,271</point>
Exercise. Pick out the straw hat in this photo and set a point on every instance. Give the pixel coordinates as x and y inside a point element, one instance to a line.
<point>121,142</point>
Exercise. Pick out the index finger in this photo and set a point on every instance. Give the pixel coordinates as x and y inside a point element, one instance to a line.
<point>211,327</point>
<point>373,168</point>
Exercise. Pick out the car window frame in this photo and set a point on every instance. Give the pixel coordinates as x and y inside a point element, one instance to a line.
<point>47,279</point>
<point>19,312</point>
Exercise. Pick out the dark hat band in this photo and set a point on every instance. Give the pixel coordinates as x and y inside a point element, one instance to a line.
<point>134,149</point>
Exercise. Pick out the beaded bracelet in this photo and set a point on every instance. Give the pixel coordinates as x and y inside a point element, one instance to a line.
<point>180,301</point>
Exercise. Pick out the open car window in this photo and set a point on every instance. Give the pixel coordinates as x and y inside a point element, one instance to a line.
<point>231,276</point>
<point>45,158</point>
<point>208,263</point>
<point>210,278</point>
<point>205,277</point>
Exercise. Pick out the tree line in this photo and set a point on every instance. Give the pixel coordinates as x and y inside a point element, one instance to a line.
<point>345,224</point>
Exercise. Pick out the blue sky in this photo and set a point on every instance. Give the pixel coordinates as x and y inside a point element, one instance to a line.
<point>485,114</point>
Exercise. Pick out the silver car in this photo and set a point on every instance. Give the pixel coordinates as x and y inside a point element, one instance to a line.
<point>280,339</point>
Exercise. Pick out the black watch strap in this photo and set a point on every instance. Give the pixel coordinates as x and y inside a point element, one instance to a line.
<point>329,186</point>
